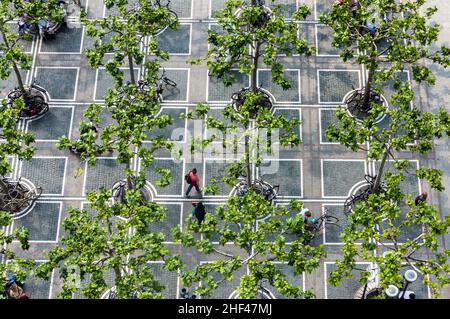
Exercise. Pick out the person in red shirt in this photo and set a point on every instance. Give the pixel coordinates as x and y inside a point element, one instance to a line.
<point>192,180</point>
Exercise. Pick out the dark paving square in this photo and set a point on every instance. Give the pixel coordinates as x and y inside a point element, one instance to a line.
<point>227,287</point>
<point>55,124</point>
<point>286,173</point>
<point>175,131</point>
<point>340,176</point>
<point>180,92</point>
<point>42,222</point>
<point>322,6</point>
<point>334,85</point>
<point>176,41</point>
<point>167,278</point>
<point>293,279</point>
<point>109,278</point>
<point>290,95</point>
<point>216,169</point>
<point>114,11</point>
<point>47,173</point>
<point>68,40</point>
<point>217,91</point>
<point>332,232</point>
<point>59,82</point>
<point>290,114</point>
<point>176,183</point>
<point>105,81</point>
<point>36,288</point>
<point>324,38</point>
<point>327,118</point>
<point>212,209</point>
<point>410,185</point>
<point>172,220</point>
<point>183,8</point>
<point>286,7</point>
<point>105,173</point>
<point>347,288</point>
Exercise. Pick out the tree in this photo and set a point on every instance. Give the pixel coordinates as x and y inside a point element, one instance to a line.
<point>14,195</point>
<point>111,238</point>
<point>133,106</point>
<point>13,56</point>
<point>380,223</point>
<point>385,36</point>
<point>252,34</point>
<point>124,33</point>
<point>257,246</point>
<point>378,211</point>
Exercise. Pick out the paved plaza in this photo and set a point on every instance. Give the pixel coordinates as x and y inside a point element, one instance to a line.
<point>319,172</point>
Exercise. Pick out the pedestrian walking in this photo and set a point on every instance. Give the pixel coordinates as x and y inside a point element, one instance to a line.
<point>421,198</point>
<point>192,180</point>
<point>198,211</point>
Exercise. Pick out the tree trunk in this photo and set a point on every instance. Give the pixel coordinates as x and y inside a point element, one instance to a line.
<point>131,66</point>
<point>254,75</point>
<point>377,184</point>
<point>247,159</point>
<point>129,181</point>
<point>14,64</point>
<point>367,90</point>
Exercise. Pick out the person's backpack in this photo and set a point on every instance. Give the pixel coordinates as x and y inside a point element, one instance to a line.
<point>187,178</point>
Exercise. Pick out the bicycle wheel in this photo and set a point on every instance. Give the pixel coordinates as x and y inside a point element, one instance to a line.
<point>169,82</point>
<point>14,94</point>
<point>331,219</point>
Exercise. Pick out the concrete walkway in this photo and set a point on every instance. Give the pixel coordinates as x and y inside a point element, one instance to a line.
<point>438,96</point>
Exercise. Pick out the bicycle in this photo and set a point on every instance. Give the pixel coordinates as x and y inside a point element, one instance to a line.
<point>18,196</point>
<point>363,194</point>
<point>259,186</point>
<point>118,192</point>
<point>318,224</point>
<point>157,3</point>
<point>238,98</point>
<point>35,105</point>
<point>163,83</point>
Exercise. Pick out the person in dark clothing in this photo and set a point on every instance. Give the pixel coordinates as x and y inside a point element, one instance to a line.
<point>198,211</point>
<point>421,198</point>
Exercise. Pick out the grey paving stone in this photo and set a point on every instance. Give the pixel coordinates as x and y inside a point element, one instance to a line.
<point>323,6</point>
<point>332,232</point>
<point>183,8</point>
<point>347,288</point>
<point>286,7</point>
<point>105,173</point>
<point>36,288</point>
<point>289,114</point>
<point>226,288</point>
<point>105,81</point>
<point>175,131</point>
<point>286,173</point>
<point>176,169</point>
<point>217,91</point>
<point>180,92</point>
<point>25,44</point>
<point>324,36</point>
<point>216,169</point>
<point>60,83</point>
<point>212,209</point>
<point>176,41</point>
<point>10,83</point>
<point>340,176</point>
<point>67,40</point>
<point>290,95</point>
<point>47,173</point>
<point>327,117</point>
<point>334,85</point>
<point>167,278</point>
<point>55,124</point>
<point>41,222</point>
<point>109,278</point>
<point>172,220</point>
<point>294,279</point>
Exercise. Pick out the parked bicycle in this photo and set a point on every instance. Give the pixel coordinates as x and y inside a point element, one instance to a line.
<point>259,186</point>
<point>363,193</point>
<point>35,104</point>
<point>238,98</point>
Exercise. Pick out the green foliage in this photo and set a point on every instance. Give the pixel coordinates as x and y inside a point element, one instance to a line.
<point>259,245</point>
<point>129,35</point>
<point>380,222</point>
<point>110,239</point>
